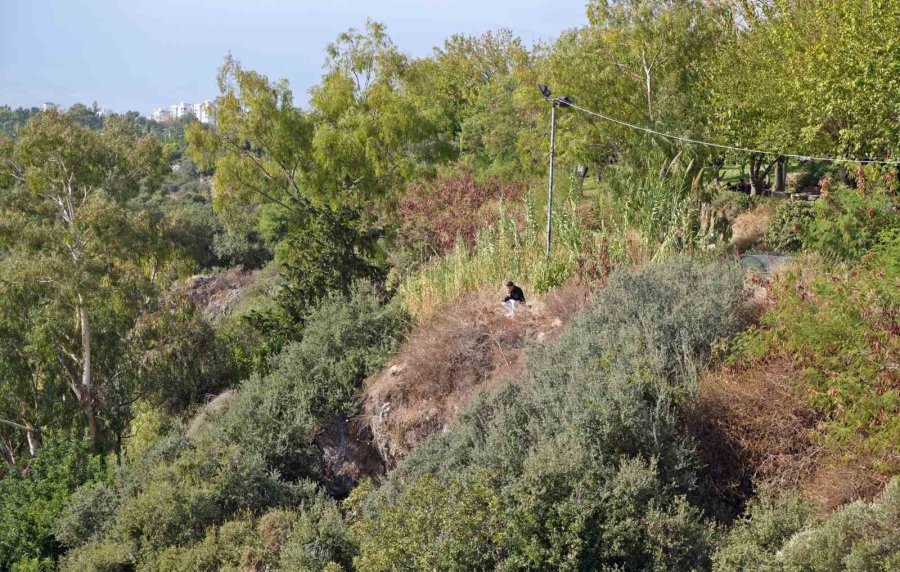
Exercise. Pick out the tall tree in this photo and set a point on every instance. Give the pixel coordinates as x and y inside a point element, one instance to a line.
<point>809,77</point>
<point>71,277</point>
<point>642,61</point>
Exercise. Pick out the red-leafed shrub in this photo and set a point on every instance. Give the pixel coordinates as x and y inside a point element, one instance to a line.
<point>435,213</point>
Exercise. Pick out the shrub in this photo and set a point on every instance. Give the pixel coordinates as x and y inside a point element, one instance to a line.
<point>848,222</point>
<point>314,380</point>
<point>767,525</point>
<point>87,513</point>
<point>788,226</point>
<point>786,535</point>
<point>839,325</point>
<point>204,486</point>
<point>107,556</point>
<point>319,537</point>
<point>34,495</point>
<point>176,356</point>
<point>234,546</point>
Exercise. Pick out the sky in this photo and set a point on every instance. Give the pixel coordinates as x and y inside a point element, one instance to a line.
<point>139,54</point>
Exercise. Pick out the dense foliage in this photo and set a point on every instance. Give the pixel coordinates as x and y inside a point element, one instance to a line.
<point>581,466</point>
<point>189,313</point>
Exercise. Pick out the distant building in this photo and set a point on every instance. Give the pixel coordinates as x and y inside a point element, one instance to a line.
<point>49,106</point>
<point>202,111</point>
<point>162,115</point>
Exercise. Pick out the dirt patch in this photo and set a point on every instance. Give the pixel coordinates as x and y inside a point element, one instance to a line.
<point>216,294</point>
<point>467,347</point>
<point>348,453</point>
<point>753,430</point>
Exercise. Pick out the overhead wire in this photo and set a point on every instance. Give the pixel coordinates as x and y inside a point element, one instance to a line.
<point>569,103</point>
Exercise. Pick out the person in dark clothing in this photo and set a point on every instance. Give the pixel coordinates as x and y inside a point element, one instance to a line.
<point>515,294</point>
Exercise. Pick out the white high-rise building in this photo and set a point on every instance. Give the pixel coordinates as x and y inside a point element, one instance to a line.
<point>202,111</point>
<point>179,110</point>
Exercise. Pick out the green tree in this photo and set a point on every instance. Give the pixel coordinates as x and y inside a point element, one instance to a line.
<point>808,77</point>
<point>75,257</point>
<point>642,61</point>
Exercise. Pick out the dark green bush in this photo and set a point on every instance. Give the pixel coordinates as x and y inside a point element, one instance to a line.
<point>88,512</point>
<point>32,497</point>
<point>177,357</point>
<point>319,536</point>
<point>345,340</point>
<point>789,225</point>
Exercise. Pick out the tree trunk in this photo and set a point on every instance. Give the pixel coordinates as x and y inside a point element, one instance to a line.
<point>648,85</point>
<point>87,396</point>
<point>780,175</point>
<point>32,434</point>
<point>758,174</point>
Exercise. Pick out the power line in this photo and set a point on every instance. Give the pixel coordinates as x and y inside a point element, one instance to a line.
<point>719,145</point>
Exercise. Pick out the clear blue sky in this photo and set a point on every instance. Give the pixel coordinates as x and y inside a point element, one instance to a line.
<point>139,54</point>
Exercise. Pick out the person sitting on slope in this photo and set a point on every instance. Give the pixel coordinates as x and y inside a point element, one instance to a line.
<point>514,297</point>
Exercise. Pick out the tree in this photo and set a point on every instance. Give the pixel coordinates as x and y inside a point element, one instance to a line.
<point>72,251</point>
<point>834,90</point>
<point>641,61</point>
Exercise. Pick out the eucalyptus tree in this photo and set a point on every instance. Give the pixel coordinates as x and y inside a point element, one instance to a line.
<point>73,270</point>
<point>641,61</point>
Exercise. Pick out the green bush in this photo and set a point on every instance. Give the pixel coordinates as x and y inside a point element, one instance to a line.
<point>32,497</point>
<point>319,536</point>
<point>234,546</point>
<point>848,222</point>
<point>88,512</point>
<point>177,357</point>
<point>788,226</point>
<point>581,466</point>
<point>786,535</point>
<point>768,523</point>
<point>107,556</point>
<point>207,484</point>
<point>345,340</point>
<point>843,224</point>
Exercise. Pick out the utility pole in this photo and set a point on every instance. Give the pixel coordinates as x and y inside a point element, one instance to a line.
<point>560,102</point>
<point>550,187</point>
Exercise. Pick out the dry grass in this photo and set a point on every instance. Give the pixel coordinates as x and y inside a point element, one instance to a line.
<point>216,407</point>
<point>754,430</point>
<point>748,228</point>
<point>465,348</point>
